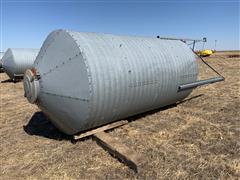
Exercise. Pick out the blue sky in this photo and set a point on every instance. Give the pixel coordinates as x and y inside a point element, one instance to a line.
<point>27,23</point>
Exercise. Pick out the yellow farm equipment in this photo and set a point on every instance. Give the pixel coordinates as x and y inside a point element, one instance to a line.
<point>205,53</point>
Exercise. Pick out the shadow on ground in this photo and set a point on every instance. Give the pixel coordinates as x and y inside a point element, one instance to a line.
<point>11,81</point>
<point>7,81</point>
<point>39,124</point>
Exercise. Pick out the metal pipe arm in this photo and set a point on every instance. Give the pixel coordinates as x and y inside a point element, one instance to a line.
<point>199,83</point>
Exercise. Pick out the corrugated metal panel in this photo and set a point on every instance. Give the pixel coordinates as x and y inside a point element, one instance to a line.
<point>1,55</point>
<point>90,79</point>
<point>17,60</point>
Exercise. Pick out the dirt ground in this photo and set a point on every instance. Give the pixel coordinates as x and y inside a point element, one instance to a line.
<point>195,139</point>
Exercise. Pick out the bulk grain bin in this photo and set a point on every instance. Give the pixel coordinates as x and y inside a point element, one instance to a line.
<point>1,68</point>
<point>16,61</point>
<point>1,55</point>
<point>84,80</point>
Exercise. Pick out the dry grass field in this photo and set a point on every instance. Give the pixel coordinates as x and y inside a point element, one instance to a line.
<point>198,138</point>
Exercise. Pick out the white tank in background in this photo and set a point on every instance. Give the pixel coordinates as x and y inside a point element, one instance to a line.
<point>17,60</point>
<point>1,55</point>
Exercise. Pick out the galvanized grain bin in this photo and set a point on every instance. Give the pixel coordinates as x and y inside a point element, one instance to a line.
<point>1,55</point>
<point>1,68</point>
<point>84,80</point>
<point>16,61</point>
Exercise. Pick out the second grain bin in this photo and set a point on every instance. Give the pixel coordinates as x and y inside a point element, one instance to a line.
<point>84,80</point>
<point>17,60</point>
<point>1,68</point>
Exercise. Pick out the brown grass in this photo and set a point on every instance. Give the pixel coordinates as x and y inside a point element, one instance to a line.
<point>196,139</point>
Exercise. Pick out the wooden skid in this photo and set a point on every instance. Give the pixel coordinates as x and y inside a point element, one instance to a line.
<point>134,160</point>
<point>100,129</point>
<point>113,146</point>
